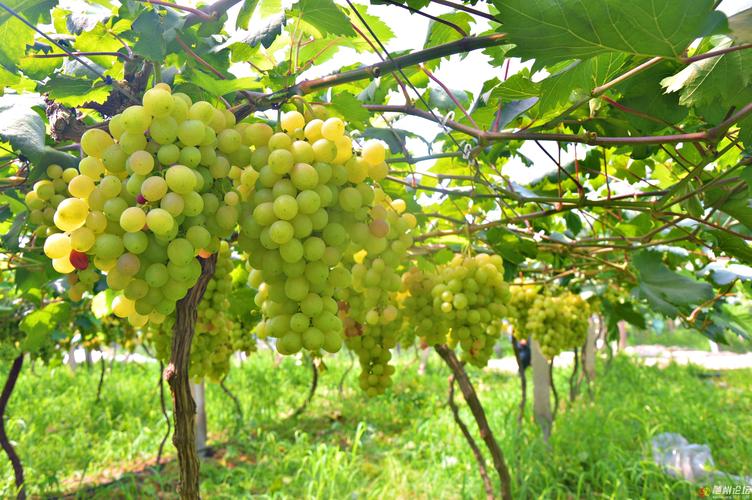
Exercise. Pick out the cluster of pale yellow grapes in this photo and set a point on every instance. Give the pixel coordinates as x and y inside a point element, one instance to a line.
<point>556,319</point>
<point>161,188</point>
<point>383,243</point>
<point>470,297</point>
<point>420,319</point>
<point>42,202</point>
<point>310,201</point>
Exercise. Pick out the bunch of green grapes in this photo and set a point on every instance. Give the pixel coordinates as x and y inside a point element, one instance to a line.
<point>310,195</point>
<point>521,299</point>
<point>161,188</point>
<point>557,319</point>
<point>420,319</point>
<point>471,296</point>
<point>382,245</point>
<point>45,196</point>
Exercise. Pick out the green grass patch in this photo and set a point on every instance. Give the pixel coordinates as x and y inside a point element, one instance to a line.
<point>401,445</point>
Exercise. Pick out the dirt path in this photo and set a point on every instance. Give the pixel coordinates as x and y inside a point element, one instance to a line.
<point>652,355</point>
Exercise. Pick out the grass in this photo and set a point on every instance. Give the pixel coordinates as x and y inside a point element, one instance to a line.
<point>402,445</point>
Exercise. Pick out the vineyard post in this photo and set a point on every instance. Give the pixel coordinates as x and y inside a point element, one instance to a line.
<point>15,460</point>
<point>523,382</point>
<point>199,396</point>
<point>588,353</point>
<point>541,390</point>
<point>177,376</point>
<point>622,325</point>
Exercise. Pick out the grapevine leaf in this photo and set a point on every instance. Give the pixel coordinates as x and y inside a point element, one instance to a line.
<point>264,35</point>
<point>72,91</point>
<point>38,325</point>
<point>440,33</point>
<point>667,291</point>
<point>350,107</point>
<point>517,87</point>
<point>704,81</point>
<point>734,246</point>
<point>217,87</point>
<point>151,43</point>
<point>556,30</point>
<point>512,109</point>
<point>576,80</point>
<point>740,25</point>
<point>324,16</point>
<point>245,14</point>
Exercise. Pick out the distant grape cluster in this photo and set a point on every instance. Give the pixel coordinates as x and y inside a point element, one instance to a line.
<point>311,201</point>
<point>162,187</point>
<point>375,281</point>
<point>471,296</point>
<point>556,319</point>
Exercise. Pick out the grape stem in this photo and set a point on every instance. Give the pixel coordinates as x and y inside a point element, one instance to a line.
<point>311,392</point>
<point>177,376</point>
<point>101,375</point>
<point>479,414</point>
<point>10,384</point>
<point>470,440</point>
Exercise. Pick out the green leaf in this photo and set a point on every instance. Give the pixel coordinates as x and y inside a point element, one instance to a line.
<point>740,25</point>
<point>708,80</point>
<point>350,107</point>
<point>618,311</point>
<point>39,325</point>
<point>440,33</point>
<point>265,34</point>
<point>556,30</point>
<point>324,16</point>
<point>15,37</point>
<point>443,256</point>
<point>574,223</point>
<point>245,14</point>
<point>151,43</point>
<point>439,98</point>
<point>217,87</point>
<point>666,291</point>
<point>734,246</point>
<point>24,129</point>
<point>577,80</point>
<point>517,87</point>
<point>382,30</point>
<point>73,92</point>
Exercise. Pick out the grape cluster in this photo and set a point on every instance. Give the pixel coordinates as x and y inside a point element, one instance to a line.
<point>471,296</point>
<point>42,201</point>
<point>384,243</point>
<point>162,187</point>
<point>310,196</point>
<point>417,305</point>
<point>556,319</point>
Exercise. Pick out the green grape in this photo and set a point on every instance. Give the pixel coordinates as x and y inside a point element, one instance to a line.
<point>94,142</point>
<point>180,179</point>
<point>132,219</point>
<point>158,102</point>
<point>154,188</point>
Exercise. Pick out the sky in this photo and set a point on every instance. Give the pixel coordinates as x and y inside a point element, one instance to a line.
<point>467,73</point>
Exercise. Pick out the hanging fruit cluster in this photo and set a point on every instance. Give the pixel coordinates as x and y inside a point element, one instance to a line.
<point>384,242</point>
<point>557,319</point>
<point>311,201</point>
<point>161,188</point>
